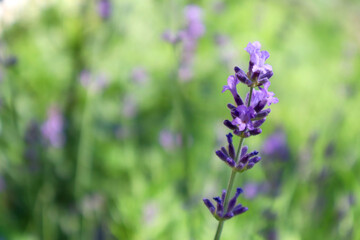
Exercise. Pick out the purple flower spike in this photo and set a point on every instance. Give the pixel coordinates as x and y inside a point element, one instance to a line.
<point>104,9</point>
<point>232,82</point>
<point>193,15</point>
<point>276,147</point>
<point>53,127</point>
<point>232,210</point>
<point>188,36</point>
<point>247,118</point>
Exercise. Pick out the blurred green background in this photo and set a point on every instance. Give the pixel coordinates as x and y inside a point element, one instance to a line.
<point>132,150</point>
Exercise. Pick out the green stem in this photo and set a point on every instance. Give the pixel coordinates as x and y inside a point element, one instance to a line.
<point>231,180</point>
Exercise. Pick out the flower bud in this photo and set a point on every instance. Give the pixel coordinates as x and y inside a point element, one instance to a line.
<point>256,131</point>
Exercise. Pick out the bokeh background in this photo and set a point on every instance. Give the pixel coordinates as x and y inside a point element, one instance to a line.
<point>110,113</point>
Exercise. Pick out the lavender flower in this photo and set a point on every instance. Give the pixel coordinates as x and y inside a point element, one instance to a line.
<point>139,75</point>
<point>130,106</point>
<point>168,140</point>
<point>150,212</point>
<point>232,209</point>
<point>251,190</point>
<point>52,129</point>
<point>195,27</point>
<point>93,82</point>
<point>104,8</point>
<point>247,160</point>
<point>246,121</point>
<point>171,37</point>
<point>275,146</point>
<point>188,37</point>
<point>259,72</point>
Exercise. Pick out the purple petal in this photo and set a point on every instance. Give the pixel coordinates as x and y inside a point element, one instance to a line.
<point>209,205</point>
<point>244,150</point>
<point>239,210</point>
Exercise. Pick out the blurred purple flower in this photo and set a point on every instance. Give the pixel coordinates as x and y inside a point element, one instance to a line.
<point>95,83</point>
<point>276,146</point>
<point>85,78</point>
<point>52,129</point>
<point>130,106</point>
<point>251,190</point>
<point>139,75</point>
<point>195,27</point>
<point>169,140</point>
<point>189,36</point>
<point>171,37</point>
<point>101,81</point>
<point>150,212</point>
<point>104,8</point>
